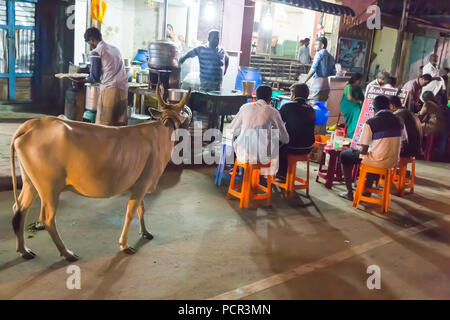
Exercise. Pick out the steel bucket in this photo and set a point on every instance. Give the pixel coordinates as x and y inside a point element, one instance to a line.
<point>92,94</point>
<point>176,95</point>
<point>248,87</point>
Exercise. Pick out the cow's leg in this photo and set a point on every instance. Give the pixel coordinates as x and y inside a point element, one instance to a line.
<point>133,205</point>
<point>48,211</point>
<point>26,198</point>
<point>145,234</point>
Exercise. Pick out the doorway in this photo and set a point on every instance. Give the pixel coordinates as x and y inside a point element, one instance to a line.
<point>17,49</point>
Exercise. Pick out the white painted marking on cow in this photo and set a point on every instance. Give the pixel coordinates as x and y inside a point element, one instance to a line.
<point>68,127</point>
<point>306,268</point>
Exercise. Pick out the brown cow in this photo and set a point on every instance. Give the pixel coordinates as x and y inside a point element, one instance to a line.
<point>95,161</point>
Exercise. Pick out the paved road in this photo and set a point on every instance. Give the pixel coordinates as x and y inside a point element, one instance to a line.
<point>205,246</point>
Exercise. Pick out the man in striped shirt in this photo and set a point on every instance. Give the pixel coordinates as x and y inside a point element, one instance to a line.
<point>213,62</point>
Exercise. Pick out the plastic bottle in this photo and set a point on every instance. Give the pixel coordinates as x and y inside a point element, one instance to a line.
<point>339,139</point>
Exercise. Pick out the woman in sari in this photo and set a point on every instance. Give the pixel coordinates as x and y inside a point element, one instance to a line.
<point>351,103</point>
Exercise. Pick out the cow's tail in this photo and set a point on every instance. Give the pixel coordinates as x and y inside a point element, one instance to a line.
<point>19,133</point>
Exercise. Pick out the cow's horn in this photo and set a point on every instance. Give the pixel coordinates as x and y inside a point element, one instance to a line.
<point>161,102</point>
<point>183,101</point>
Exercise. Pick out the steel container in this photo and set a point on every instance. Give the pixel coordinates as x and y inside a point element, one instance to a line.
<point>92,94</point>
<point>163,54</point>
<point>176,95</point>
<point>248,87</point>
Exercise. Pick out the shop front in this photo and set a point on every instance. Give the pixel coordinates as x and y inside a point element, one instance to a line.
<point>133,25</point>
<point>281,45</point>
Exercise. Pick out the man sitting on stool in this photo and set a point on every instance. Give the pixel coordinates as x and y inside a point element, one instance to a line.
<point>385,132</point>
<point>299,119</point>
<point>257,128</point>
<point>413,146</point>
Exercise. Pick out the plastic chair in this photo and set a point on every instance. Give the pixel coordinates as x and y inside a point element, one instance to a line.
<point>334,172</point>
<point>222,169</point>
<point>250,184</point>
<point>384,192</point>
<point>399,178</point>
<point>429,140</point>
<point>291,177</point>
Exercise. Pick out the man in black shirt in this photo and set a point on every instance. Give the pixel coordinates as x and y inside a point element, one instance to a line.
<point>412,146</point>
<point>299,119</point>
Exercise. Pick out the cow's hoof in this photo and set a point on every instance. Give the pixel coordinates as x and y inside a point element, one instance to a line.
<point>28,254</point>
<point>72,258</point>
<point>35,227</point>
<point>147,235</point>
<point>129,250</point>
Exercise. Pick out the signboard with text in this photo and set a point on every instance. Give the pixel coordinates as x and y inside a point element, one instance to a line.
<point>367,108</point>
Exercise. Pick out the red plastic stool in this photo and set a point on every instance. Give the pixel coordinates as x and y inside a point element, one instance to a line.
<point>334,172</point>
<point>429,140</point>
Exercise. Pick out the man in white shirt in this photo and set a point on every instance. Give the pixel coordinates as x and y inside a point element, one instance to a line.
<point>437,84</point>
<point>107,68</point>
<point>380,81</point>
<point>304,56</point>
<point>257,129</point>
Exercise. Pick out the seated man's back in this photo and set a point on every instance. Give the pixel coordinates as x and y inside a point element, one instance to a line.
<point>412,147</point>
<point>299,119</point>
<point>385,131</point>
<point>254,128</point>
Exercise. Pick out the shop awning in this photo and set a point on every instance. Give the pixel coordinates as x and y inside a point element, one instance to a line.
<point>320,6</point>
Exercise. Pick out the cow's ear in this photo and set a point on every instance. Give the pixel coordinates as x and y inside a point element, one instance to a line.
<point>156,114</point>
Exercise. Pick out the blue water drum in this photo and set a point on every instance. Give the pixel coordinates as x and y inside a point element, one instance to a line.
<point>142,56</point>
<point>322,113</point>
<point>250,75</point>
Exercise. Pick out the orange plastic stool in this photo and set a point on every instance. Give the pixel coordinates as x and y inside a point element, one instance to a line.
<point>385,192</point>
<point>399,178</point>
<point>291,176</point>
<point>250,184</point>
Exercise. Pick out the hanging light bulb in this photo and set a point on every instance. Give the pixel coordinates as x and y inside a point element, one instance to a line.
<point>210,11</point>
<point>267,21</point>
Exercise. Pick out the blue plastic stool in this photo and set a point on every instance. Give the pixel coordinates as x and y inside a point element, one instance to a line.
<point>222,170</point>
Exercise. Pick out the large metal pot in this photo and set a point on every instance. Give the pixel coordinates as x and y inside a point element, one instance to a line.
<point>163,54</point>
<point>92,94</point>
<point>176,95</point>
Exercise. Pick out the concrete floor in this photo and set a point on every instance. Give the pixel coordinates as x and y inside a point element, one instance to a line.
<point>206,247</point>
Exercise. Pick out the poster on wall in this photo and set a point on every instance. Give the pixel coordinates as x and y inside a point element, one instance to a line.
<point>352,54</point>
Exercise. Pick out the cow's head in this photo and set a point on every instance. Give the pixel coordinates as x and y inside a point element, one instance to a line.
<point>176,115</point>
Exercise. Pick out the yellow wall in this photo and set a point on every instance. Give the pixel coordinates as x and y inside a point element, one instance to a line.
<point>384,46</point>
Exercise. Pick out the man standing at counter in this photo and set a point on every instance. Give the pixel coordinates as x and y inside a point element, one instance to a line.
<point>213,62</point>
<point>322,68</point>
<point>107,69</point>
